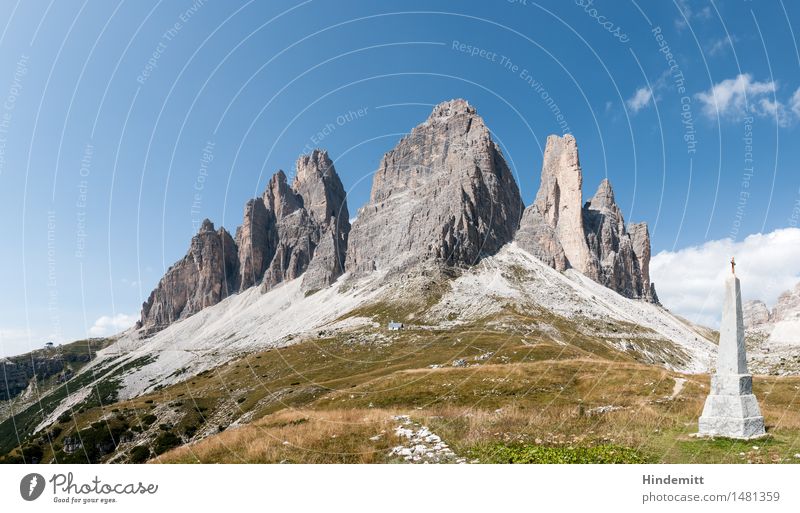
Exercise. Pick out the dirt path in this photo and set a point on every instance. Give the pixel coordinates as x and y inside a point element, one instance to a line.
<point>676,389</point>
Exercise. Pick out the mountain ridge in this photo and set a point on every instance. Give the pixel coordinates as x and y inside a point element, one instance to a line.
<point>289,230</point>
<point>443,195</point>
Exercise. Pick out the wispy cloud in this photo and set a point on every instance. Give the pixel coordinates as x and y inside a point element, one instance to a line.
<point>735,98</point>
<point>795,102</point>
<point>130,283</point>
<point>689,281</point>
<point>688,12</point>
<point>109,325</point>
<point>640,99</point>
<point>722,45</point>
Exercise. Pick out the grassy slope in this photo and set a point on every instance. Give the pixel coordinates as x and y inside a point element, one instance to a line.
<point>521,397</point>
<point>337,398</point>
<point>488,411</point>
<point>29,411</point>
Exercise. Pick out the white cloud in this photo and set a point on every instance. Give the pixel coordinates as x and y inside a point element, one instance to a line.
<point>688,13</point>
<point>795,102</point>
<point>689,281</point>
<point>640,99</point>
<point>720,46</point>
<point>735,98</point>
<point>107,325</point>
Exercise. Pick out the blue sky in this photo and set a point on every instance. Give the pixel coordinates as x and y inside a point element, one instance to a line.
<point>125,123</point>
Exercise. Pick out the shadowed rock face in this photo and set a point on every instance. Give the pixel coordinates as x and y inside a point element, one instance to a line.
<point>623,258</point>
<point>443,194</point>
<point>207,274</point>
<point>255,240</point>
<point>288,231</point>
<point>591,238</point>
<point>325,200</point>
<point>537,237</point>
<point>312,224</point>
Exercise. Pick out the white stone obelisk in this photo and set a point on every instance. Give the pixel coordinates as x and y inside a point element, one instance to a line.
<point>731,409</point>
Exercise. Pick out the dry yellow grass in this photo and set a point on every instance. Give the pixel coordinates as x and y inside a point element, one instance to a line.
<point>299,436</point>
<point>645,418</point>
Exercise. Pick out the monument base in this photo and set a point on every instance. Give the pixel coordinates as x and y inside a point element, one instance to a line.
<point>731,410</point>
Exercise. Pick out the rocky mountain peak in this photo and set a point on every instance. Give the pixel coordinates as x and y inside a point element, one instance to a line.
<point>443,194</point>
<point>279,197</point>
<point>313,166</point>
<point>603,199</point>
<point>445,110</point>
<point>312,224</point>
<point>284,233</point>
<point>787,308</point>
<point>318,184</point>
<point>639,235</point>
<point>591,238</point>
<point>788,305</point>
<point>206,275</point>
<point>604,205</point>
<point>560,199</point>
<point>206,226</point>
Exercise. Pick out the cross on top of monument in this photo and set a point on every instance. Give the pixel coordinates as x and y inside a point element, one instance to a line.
<point>733,265</point>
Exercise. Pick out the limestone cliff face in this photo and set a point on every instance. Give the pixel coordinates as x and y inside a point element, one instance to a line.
<point>207,274</point>
<point>255,240</point>
<point>592,238</point>
<point>560,200</point>
<point>539,238</point>
<point>292,231</point>
<point>640,238</point>
<point>312,224</point>
<point>443,194</point>
<point>325,200</point>
<point>623,258</point>
<point>787,308</point>
<point>287,232</point>
<point>297,238</point>
<point>755,313</point>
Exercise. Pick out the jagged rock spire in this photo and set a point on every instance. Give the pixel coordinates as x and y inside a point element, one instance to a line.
<point>312,224</point>
<point>444,194</point>
<point>206,275</point>
<point>279,197</point>
<point>285,233</point>
<point>559,200</point>
<point>255,240</point>
<point>591,238</point>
